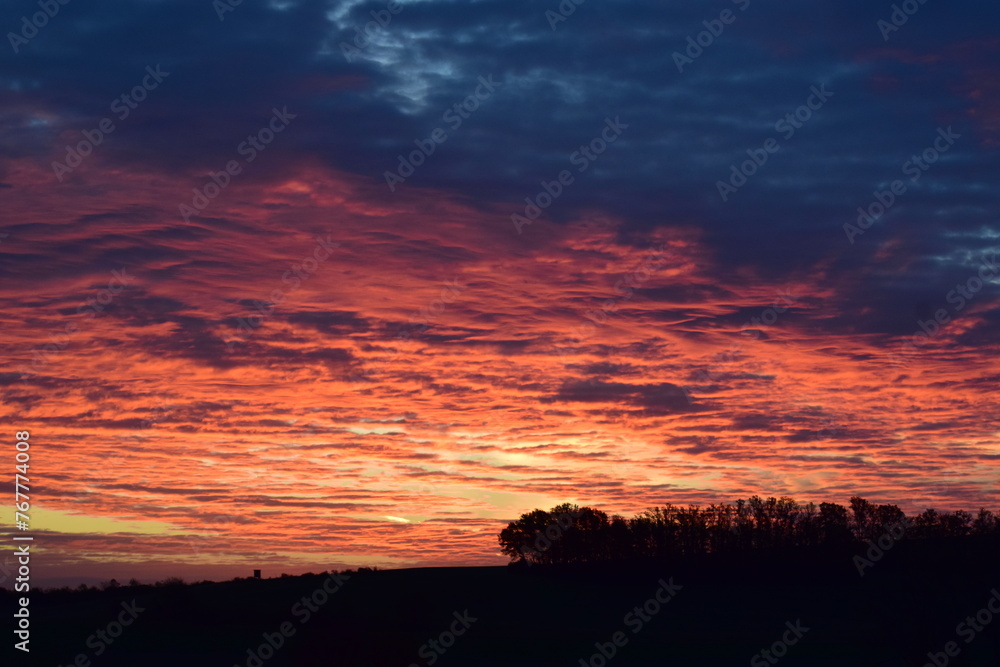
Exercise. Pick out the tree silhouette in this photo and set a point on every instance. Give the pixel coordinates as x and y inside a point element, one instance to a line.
<point>525,538</point>
<point>571,534</point>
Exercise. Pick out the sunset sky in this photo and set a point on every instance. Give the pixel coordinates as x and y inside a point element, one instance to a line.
<point>324,359</point>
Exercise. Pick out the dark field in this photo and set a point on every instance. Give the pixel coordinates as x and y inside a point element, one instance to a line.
<point>726,611</point>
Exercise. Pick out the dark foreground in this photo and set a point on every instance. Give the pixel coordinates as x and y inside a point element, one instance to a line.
<point>809,609</point>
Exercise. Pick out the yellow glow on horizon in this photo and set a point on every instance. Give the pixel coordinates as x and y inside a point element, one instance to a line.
<point>68,522</point>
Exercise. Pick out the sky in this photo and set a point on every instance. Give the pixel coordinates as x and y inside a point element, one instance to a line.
<point>311,285</point>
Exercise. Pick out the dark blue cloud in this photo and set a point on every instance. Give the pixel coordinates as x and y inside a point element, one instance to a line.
<point>555,89</point>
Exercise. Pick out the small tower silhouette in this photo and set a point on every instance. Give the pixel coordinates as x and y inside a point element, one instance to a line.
<point>256,574</point>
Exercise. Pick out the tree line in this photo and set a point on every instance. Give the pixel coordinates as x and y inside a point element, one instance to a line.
<point>569,533</point>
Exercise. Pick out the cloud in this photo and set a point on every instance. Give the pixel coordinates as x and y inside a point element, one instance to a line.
<point>513,392</point>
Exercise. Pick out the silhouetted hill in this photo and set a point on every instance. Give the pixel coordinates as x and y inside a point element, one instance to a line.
<point>720,609</point>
